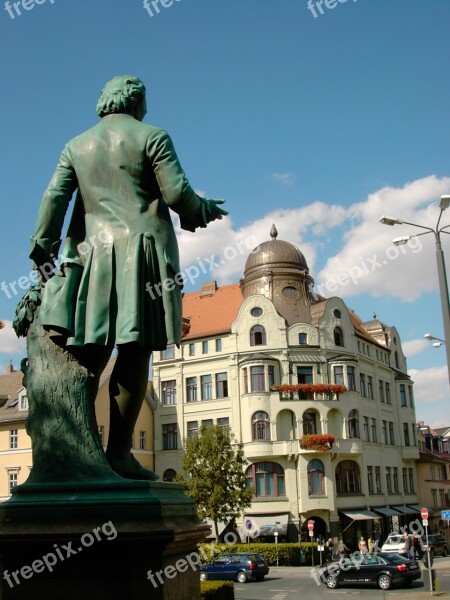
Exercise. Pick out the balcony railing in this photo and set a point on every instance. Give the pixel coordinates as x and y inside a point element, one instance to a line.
<point>310,391</point>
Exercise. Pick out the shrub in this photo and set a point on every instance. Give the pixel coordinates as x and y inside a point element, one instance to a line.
<point>288,554</point>
<point>217,590</point>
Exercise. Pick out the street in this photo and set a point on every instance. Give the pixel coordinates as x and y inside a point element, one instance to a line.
<point>291,583</point>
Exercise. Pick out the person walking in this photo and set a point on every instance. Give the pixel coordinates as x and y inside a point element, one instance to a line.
<point>330,547</point>
<point>371,545</point>
<point>342,550</point>
<point>362,545</point>
<point>408,545</point>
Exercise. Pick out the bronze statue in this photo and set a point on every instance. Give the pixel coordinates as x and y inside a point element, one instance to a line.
<point>120,246</point>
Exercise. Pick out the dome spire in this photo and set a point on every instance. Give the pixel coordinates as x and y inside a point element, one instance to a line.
<point>273,232</point>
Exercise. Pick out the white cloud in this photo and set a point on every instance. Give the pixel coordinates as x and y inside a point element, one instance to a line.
<point>9,342</point>
<point>369,262</point>
<point>413,347</point>
<point>431,391</point>
<point>287,178</point>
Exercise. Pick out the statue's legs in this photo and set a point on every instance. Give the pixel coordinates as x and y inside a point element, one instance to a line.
<point>127,388</point>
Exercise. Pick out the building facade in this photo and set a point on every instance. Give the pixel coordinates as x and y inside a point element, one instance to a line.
<point>267,357</point>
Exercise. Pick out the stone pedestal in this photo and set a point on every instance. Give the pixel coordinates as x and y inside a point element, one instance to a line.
<point>124,541</point>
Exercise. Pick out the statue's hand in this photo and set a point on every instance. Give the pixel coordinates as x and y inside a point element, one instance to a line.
<point>213,210</point>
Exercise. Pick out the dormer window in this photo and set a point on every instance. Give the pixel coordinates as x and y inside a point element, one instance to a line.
<point>23,403</point>
<point>258,336</point>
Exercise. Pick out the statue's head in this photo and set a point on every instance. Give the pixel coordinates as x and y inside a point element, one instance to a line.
<point>123,94</point>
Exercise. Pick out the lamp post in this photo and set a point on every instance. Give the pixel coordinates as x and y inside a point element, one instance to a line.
<point>442,276</point>
<point>437,343</point>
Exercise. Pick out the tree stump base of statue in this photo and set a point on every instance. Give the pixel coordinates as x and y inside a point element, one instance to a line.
<point>130,541</point>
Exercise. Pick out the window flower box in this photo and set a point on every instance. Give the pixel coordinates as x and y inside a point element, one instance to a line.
<point>301,391</point>
<point>317,441</point>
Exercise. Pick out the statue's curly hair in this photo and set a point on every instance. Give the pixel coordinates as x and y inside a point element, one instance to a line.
<point>120,95</point>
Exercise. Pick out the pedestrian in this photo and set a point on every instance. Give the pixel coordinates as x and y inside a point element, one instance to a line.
<point>342,550</point>
<point>330,546</point>
<point>371,545</point>
<point>407,547</point>
<point>417,546</point>
<point>362,545</point>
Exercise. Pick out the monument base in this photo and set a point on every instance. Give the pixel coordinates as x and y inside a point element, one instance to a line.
<point>127,541</point>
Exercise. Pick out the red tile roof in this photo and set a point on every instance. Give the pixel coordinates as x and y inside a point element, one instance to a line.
<point>212,313</point>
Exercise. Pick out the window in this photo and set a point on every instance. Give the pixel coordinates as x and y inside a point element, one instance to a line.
<point>245,373</point>
<point>374,430</point>
<point>207,423</point>
<point>395,477</point>
<point>434,495</point>
<point>205,347</point>
<point>414,437</point>
<point>338,336</point>
<point>206,387</point>
<point>388,480</point>
<point>402,395</point>
<point>370,386</point>
<point>258,336</point>
<point>309,423</point>
<point>405,479</point>
<point>169,475</point>
<point>351,378</point>
<point>219,345</point>
<point>387,388</point>
<point>362,385</point>
<point>384,436</point>
<point>406,433</point>
<point>191,349</point>
<point>442,497</point>
<point>271,373</point>
<point>12,480</point>
<point>381,390</point>
<point>337,313</point>
<point>168,353</point>
<point>142,441</point>
<point>256,311</point>
<point>391,433</point>
<point>347,478</point>
<point>169,434</point>
<point>101,434</point>
<point>370,479</point>
<point>191,389</point>
<point>338,375</point>
<point>23,403</point>
<point>221,385</point>
<point>257,383</point>
<point>302,338</point>
<point>411,398</point>
<point>366,434</point>
<point>377,480</point>
<point>305,375</point>
<point>260,426</point>
<point>13,439</point>
<point>266,478</point>
<point>192,429</point>
<point>169,392</point>
<point>224,422</point>
<point>411,479</point>
<point>432,472</point>
<point>353,424</point>
<point>316,477</point>
<point>396,360</point>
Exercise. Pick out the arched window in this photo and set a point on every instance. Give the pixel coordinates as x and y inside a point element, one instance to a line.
<point>169,475</point>
<point>338,336</point>
<point>353,424</point>
<point>396,360</point>
<point>258,336</point>
<point>266,478</point>
<point>347,478</point>
<point>309,422</point>
<point>260,426</point>
<point>316,473</point>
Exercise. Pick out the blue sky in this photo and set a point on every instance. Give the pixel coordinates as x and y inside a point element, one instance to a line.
<point>319,124</point>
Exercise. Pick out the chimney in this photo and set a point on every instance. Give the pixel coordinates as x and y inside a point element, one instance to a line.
<point>10,368</point>
<point>209,288</point>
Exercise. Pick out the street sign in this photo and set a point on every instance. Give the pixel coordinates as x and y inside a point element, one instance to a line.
<point>311,533</point>
<point>424,513</point>
<point>425,522</point>
<point>248,524</point>
<point>445,514</point>
<point>311,525</point>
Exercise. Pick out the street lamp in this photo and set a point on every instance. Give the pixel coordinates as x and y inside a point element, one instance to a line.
<point>438,343</point>
<point>442,275</point>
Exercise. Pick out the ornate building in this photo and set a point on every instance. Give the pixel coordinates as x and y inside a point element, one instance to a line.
<point>273,361</point>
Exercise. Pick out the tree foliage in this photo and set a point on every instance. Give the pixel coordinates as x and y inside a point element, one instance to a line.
<point>214,476</point>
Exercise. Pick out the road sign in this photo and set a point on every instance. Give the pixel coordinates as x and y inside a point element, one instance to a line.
<point>311,525</point>
<point>424,513</point>
<point>445,514</point>
<point>248,524</point>
<point>311,533</point>
<point>425,522</point>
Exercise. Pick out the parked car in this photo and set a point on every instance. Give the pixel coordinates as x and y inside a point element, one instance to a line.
<point>237,566</point>
<point>394,544</point>
<point>437,542</point>
<point>383,570</point>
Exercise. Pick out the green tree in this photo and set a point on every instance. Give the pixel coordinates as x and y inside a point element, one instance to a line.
<point>213,466</point>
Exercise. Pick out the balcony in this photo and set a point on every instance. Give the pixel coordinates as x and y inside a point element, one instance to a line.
<point>352,446</point>
<point>259,449</point>
<point>410,452</point>
<point>322,392</point>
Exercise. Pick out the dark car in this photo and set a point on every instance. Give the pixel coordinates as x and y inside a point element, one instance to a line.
<point>237,566</point>
<point>383,570</point>
<point>437,542</point>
